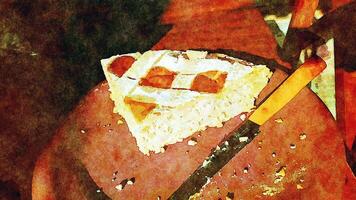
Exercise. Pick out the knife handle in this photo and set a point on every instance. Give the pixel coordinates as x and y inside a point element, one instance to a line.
<point>288,89</point>
<point>303,13</point>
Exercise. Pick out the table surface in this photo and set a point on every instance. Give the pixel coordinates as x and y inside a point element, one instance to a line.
<point>91,148</point>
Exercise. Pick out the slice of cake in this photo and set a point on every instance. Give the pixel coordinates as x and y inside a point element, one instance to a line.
<point>165,96</point>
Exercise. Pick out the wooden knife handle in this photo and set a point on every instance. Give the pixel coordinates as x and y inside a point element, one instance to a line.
<point>303,13</point>
<point>289,89</point>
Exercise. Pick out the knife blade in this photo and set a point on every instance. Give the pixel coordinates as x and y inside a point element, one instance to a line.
<point>244,134</point>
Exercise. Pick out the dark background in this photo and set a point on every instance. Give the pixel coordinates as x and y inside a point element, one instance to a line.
<point>49,59</point>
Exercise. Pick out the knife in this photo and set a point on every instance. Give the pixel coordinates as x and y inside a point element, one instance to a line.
<point>244,134</point>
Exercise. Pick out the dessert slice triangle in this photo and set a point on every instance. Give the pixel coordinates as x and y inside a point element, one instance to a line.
<point>165,96</point>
